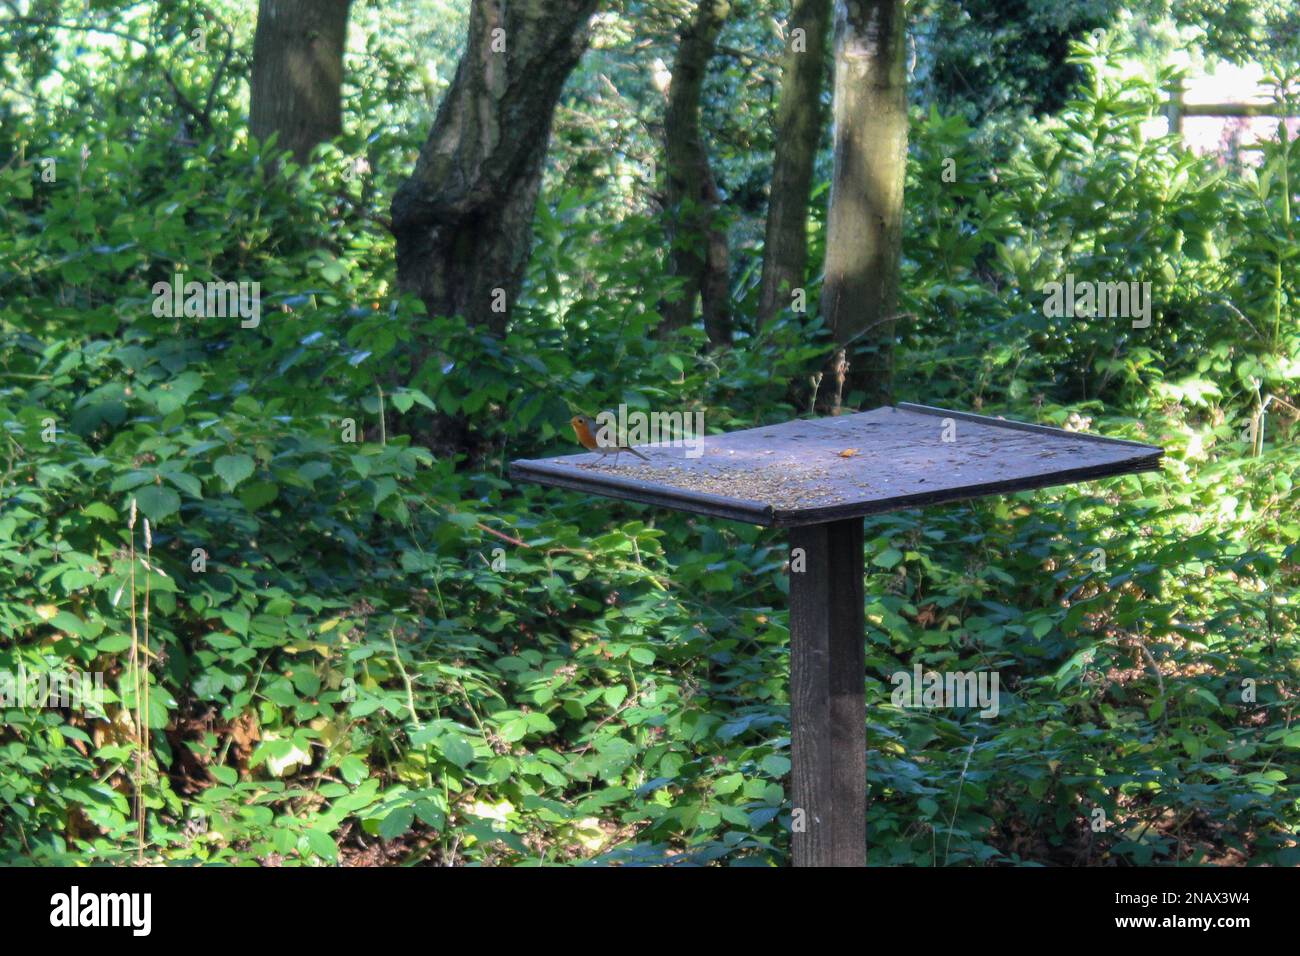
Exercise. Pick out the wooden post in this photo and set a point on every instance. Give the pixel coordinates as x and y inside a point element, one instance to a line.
<point>828,714</point>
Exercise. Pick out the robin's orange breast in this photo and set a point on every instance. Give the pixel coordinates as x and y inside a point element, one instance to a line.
<point>585,437</point>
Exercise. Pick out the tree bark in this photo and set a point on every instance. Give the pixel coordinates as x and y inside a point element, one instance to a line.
<point>463,220</point>
<point>698,241</point>
<point>297,79</point>
<point>864,224</point>
<point>798,133</point>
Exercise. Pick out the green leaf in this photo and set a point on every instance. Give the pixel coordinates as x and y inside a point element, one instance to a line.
<point>615,695</point>
<point>457,749</point>
<point>514,729</point>
<point>396,823</point>
<point>259,494</point>
<point>185,482</point>
<point>353,769</point>
<point>322,844</point>
<point>99,510</point>
<point>312,470</point>
<point>384,487</point>
<point>887,558</point>
<point>775,764</point>
<point>66,621</point>
<point>233,469</point>
<point>76,579</point>
<point>642,655</point>
<point>113,643</point>
<point>157,502</point>
<point>729,784</point>
<point>428,811</point>
<point>132,479</point>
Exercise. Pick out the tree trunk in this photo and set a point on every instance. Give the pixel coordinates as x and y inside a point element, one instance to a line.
<point>463,220</point>
<point>798,133</point>
<point>698,242</point>
<point>864,225</point>
<point>298,72</point>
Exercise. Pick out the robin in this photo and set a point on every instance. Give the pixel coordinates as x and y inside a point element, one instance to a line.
<point>586,428</point>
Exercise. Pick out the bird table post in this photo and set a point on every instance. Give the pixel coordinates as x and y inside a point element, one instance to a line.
<point>819,478</point>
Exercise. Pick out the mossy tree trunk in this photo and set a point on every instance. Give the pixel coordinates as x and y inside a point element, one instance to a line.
<point>698,251</point>
<point>297,76</point>
<point>463,220</point>
<point>864,227</point>
<point>799,123</point>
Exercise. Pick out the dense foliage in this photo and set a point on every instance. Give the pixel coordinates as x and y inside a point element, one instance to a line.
<point>366,655</point>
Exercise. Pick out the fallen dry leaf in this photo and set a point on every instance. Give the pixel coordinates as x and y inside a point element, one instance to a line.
<point>848,453</point>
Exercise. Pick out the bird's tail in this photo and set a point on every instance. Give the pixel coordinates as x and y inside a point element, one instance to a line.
<point>637,453</point>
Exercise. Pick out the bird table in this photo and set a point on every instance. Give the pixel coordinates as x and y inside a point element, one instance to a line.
<point>819,478</point>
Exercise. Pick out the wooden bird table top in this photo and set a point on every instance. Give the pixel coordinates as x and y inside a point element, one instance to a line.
<point>806,472</point>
